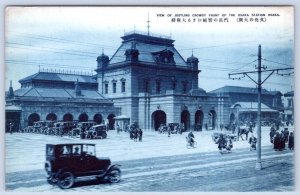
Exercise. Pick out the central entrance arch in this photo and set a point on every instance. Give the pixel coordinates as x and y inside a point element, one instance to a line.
<point>199,119</point>
<point>185,119</point>
<point>158,117</point>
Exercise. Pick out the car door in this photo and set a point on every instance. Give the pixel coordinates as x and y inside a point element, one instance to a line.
<point>90,160</point>
<point>77,159</point>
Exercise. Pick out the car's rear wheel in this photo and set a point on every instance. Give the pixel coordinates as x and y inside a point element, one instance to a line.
<point>114,175</point>
<point>66,180</point>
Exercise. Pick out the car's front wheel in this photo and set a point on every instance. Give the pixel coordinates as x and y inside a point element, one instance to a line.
<point>66,180</point>
<point>114,175</point>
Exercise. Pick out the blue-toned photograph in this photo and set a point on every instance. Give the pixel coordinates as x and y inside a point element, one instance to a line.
<point>149,99</point>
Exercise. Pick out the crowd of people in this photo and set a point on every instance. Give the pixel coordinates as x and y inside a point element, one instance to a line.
<point>279,139</point>
<point>135,133</point>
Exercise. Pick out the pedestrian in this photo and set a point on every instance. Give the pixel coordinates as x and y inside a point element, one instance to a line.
<point>135,134</point>
<point>286,134</point>
<point>191,138</point>
<point>272,134</point>
<point>169,131</point>
<point>228,142</point>
<point>140,134</point>
<point>279,142</point>
<point>291,141</point>
<point>252,142</point>
<point>220,141</point>
<point>282,140</point>
<point>118,128</point>
<point>11,128</point>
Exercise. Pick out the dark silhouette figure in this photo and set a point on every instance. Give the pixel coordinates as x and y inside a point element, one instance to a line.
<point>291,141</point>
<point>252,142</point>
<point>140,134</point>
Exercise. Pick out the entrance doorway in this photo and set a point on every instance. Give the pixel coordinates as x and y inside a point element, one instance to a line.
<point>198,120</point>
<point>185,119</point>
<point>158,117</point>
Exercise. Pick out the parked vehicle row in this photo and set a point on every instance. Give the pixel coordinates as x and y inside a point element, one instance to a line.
<point>84,130</point>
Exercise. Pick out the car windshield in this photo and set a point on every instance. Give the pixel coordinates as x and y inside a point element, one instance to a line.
<point>89,150</point>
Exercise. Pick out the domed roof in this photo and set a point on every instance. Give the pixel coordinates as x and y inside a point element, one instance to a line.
<point>192,59</point>
<point>102,56</point>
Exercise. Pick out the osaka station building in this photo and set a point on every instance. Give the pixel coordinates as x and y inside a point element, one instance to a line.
<point>146,80</point>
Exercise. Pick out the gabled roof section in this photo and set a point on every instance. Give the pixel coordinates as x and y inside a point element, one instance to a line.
<point>246,90</point>
<point>57,93</point>
<point>50,76</point>
<point>251,107</point>
<point>147,45</point>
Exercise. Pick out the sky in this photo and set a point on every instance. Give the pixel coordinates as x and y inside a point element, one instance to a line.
<point>71,38</point>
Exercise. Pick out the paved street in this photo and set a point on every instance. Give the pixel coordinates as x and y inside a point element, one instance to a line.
<point>183,169</point>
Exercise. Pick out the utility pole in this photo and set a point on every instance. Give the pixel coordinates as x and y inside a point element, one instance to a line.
<point>258,165</point>
<point>258,161</point>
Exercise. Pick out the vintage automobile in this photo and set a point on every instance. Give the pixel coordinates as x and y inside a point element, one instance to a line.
<point>67,162</point>
<point>97,132</point>
<point>81,129</point>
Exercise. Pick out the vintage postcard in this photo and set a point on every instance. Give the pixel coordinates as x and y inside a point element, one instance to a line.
<point>149,99</point>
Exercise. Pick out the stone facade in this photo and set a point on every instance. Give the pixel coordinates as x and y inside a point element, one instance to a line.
<point>160,86</point>
<point>72,98</point>
<point>146,80</point>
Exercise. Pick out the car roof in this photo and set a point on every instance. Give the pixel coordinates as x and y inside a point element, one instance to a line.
<point>68,144</point>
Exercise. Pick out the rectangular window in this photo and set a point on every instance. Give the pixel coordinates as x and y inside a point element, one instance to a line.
<point>106,88</point>
<point>114,87</point>
<point>289,102</point>
<point>123,86</point>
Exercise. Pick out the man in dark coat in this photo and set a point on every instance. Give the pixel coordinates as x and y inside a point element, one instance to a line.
<point>272,134</point>
<point>140,134</point>
<point>286,134</point>
<point>221,141</point>
<point>252,142</point>
<point>291,141</point>
<point>276,141</point>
